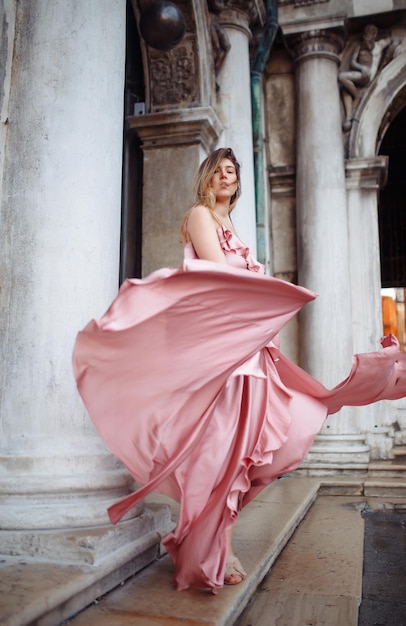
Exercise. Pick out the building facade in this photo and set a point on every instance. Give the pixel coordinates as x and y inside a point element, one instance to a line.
<point>101,134</point>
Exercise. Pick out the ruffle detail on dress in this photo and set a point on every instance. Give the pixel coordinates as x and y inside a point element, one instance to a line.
<point>231,243</point>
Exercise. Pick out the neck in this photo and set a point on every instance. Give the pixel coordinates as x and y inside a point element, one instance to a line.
<point>223,214</point>
<point>222,209</point>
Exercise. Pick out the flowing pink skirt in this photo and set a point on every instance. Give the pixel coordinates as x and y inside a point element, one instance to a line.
<point>185,384</point>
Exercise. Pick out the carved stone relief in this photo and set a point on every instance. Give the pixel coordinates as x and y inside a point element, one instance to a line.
<point>362,61</point>
<point>173,77</point>
<point>174,74</point>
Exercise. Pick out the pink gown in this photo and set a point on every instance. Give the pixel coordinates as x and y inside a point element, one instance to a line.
<point>184,380</point>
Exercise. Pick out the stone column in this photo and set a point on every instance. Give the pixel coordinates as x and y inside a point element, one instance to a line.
<point>60,240</point>
<point>322,228</point>
<point>234,107</point>
<point>365,177</point>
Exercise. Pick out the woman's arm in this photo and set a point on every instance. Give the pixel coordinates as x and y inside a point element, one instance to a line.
<point>202,230</point>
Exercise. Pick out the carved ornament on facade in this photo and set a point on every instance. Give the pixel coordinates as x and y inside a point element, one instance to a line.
<point>173,77</point>
<point>362,61</point>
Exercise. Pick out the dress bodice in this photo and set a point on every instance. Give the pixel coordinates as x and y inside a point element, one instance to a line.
<point>236,252</point>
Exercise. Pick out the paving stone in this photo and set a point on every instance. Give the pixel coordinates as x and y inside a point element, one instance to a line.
<point>384,577</point>
<point>317,578</point>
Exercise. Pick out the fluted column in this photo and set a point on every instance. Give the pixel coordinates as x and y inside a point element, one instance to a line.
<point>322,227</point>
<point>60,242</point>
<point>234,109</point>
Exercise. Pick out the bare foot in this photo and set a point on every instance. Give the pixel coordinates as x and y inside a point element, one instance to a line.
<point>235,573</point>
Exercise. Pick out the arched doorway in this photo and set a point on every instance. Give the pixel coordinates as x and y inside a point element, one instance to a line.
<point>392,229</point>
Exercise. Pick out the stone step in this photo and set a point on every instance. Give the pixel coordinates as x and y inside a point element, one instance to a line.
<point>317,579</point>
<point>332,469</point>
<point>388,469</point>
<point>263,529</point>
<point>385,487</point>
<point>399,451</point>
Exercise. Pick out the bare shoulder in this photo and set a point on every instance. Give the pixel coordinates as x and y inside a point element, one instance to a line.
<point>202,232</point>
<point>200,216</point>
<point>199,211</point>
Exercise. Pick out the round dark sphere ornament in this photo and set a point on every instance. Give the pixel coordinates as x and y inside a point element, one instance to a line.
<point>162,25</point>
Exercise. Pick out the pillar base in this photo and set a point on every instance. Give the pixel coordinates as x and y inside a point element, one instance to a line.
<point>380,441</point>
<point>337,453</point>
<point>48,587</point>
<point>40,492</point>
<point>87,545</point>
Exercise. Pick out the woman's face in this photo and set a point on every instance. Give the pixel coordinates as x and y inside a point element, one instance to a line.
<point>224,181</point>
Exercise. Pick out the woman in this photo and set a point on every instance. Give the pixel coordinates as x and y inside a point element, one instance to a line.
<point>206,234</point>
<point>185,382</point>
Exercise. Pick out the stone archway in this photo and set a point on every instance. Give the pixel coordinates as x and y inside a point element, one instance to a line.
<point>377,110</point>
<point>366,171</point>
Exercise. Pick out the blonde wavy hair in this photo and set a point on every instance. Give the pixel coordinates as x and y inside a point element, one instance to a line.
<point>203,193</point>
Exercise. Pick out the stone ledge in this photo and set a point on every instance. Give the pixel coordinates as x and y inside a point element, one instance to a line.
<point>385,487</point>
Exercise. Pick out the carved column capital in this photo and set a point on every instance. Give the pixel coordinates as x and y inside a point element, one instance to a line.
<point>282,180</point>
<point>367,174</point>
<point>254,11</point>
<point>235,17</point>
<point>325,43</point>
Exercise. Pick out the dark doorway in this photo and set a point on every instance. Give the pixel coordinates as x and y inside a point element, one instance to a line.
<point>131,212</point>
<point>392,206</point>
